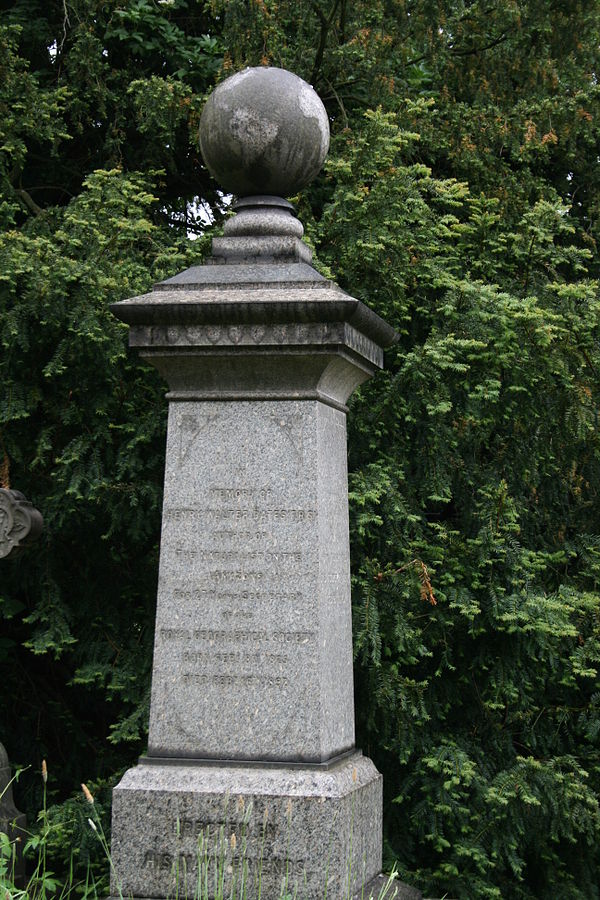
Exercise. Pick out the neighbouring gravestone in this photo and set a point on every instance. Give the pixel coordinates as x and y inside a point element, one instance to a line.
<point>12,822</point>
<point>20,523</point>
<point>251,764</point>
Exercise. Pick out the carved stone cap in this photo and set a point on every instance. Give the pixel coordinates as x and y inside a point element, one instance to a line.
<point>263,330</point>
<point>269,341</point>
<point>252,304</point>
<point>20,523</point>
<point>257,321</point>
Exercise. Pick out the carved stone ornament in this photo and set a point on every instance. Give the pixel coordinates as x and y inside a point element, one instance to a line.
<point>20,523</point>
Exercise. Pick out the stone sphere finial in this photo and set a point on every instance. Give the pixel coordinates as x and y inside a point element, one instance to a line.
<point>264,131</point>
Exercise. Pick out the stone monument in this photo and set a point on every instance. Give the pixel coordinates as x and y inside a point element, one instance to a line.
<point>21,523</point>
<point>12,822</point>
<point>252,774</point>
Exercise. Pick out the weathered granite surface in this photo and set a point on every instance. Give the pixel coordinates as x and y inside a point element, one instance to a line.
<point>253,653</point>
<point>253,646</point>
<point>264,131</point>
<point>320,828</point>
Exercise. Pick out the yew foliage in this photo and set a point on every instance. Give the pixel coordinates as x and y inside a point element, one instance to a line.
<point>461,202</point>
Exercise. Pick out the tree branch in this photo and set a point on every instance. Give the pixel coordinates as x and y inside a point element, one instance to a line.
<point>325,26</point>
<point>29,202</point>
<point>66,23</point>
<point>474,50</point>
<point>458,51</point>
<point>4,466</point>
<point>339,102</point>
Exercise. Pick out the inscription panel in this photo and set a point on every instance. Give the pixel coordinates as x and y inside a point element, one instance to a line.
<point>251,844</point>
<point>239,864</point>
<point>237,668</point>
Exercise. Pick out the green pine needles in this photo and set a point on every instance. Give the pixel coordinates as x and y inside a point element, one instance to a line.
<point>473,497</point>
<point>461,201</point>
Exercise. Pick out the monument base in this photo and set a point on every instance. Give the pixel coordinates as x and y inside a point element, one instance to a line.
<point>193,829</point>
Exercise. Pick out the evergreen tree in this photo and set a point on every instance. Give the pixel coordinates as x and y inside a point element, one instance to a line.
<point>460,202</point>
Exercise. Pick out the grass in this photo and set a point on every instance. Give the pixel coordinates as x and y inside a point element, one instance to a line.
<point>222,868</point>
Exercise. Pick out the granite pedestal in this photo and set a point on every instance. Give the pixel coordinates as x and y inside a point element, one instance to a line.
<point>253,644</point>
<point>316,830</point>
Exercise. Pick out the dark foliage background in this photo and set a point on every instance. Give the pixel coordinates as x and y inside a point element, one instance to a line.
<point>461,201</point>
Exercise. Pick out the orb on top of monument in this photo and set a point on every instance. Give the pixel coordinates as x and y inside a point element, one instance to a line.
<point>264,131</point>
